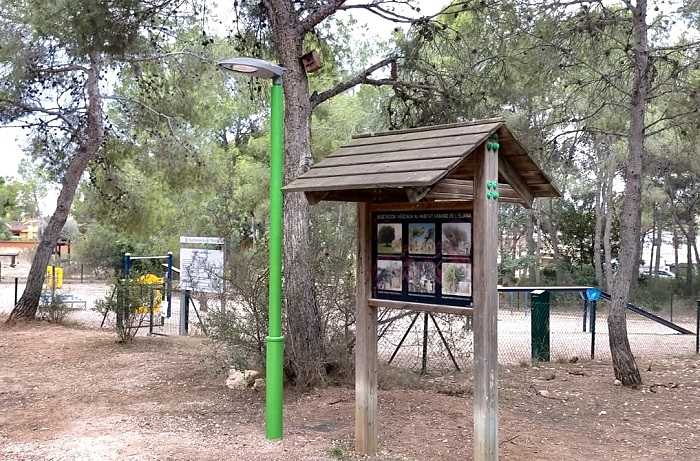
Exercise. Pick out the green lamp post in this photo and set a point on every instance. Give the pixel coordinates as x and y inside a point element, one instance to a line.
<point>274,361</point>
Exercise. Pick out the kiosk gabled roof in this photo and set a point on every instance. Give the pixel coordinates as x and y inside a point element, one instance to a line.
<point>415,158</point>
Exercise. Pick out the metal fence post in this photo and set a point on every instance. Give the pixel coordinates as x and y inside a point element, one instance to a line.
<point>671,308</point>
<point>16,289</point>
<point>120,308</point>
<point>53,285</point>
<point>169,285</point>
<point>183,329</point>
<point>539,326</point>
<point>150,309</point>
<point>593,311</point>
<point>585,313</point>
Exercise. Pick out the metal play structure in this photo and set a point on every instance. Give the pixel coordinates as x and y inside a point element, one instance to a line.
<point>128,261</point>
<point>158,288</point>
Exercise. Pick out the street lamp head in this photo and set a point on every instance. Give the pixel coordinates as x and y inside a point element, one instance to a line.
<point>252,67</point>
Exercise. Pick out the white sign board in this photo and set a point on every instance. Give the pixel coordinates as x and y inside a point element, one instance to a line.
<point>202,269</point>
<point>202,240</point>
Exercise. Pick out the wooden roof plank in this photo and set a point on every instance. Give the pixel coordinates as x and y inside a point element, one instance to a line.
<point>408,155</point>
<point>459,186</point>
<point>444,196</point>
<point>467,141</point>
<point>516,181</point>
<point>430,134</point>
<point>379,180</point>
<point>484,121</point>
<point>321,171</point>
<point>509,141</point>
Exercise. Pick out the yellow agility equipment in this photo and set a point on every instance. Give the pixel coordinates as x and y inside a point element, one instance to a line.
<point>150,280</point>
<point>58,277</point>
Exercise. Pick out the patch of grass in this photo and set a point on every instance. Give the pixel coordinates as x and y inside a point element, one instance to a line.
<point>397,378</point>
<point>339,453</point>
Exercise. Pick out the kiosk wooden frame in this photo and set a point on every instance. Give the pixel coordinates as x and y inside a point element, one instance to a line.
<point>457,167</point>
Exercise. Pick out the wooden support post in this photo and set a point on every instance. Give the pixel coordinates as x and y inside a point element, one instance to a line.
<point>485,307</point>
<point>366,342</point>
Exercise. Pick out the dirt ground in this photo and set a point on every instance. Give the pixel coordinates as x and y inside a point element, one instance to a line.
<point>68,393</point>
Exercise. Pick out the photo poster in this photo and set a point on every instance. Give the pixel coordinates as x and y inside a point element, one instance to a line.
<point>423,257</point>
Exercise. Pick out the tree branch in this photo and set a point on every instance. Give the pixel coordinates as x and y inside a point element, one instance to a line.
<point>325,10</point>
<point>381,12</point>
<point>362,77</point>
<point>62,69</point>
<point>664,117</point>
<point>392,82</point>
<point>159,57</point>
<point>168,118</point>
<point>30,109</point>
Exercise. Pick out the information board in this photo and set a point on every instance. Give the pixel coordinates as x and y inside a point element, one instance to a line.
<point>202,264</point>
<point>423,257</point>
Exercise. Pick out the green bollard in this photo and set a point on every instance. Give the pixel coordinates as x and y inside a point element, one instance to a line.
<point>539,325</point>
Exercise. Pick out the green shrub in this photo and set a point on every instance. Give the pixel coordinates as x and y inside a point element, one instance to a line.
<point>239,322</point>
<point>55,310</point>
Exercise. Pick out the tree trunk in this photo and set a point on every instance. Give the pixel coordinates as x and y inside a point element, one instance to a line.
<point>304,342</point>
<point>694,242</point>
<point>554,233</point>
<point>675,247</point>
<point>598,232</point>
<point>634,281</point>
<point>607,232</point>
<point>690,278</point>
<point>92,139</point>
<point>624,364</point>
<point>531,246</point>
<point>659,244</point>
<point>654,243</point>
<point>538,254</point>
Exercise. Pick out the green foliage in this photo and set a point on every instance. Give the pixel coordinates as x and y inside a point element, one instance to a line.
<point>8,205</point>
<point>240,326</point>
<point>339,453</point>
<point>187,148</point>
<point>54,310</point>
<point>16,203</point>
<point>102,247</point>
<point>48,50</point>
<point>127,306</point>
<point>655,293</point>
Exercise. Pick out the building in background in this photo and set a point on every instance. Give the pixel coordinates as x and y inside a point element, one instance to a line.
<point>27,230</point>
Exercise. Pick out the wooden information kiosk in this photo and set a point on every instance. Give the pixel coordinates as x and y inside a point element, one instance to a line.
<point>427,233</point>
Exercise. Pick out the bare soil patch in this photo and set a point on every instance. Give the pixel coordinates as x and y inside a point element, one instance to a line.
<point>70,393</point>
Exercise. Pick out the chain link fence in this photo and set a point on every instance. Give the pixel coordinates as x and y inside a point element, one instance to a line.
<point>432,342</point>
<point>85,304</point>
<point>439,343</point>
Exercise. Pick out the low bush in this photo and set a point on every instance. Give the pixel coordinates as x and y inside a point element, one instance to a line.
<point>54,310</point>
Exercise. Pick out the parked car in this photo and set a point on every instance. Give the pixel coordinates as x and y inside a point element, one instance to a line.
<point>661,274</point>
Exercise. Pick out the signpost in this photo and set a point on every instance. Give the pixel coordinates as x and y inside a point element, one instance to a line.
<point>416,221</point>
